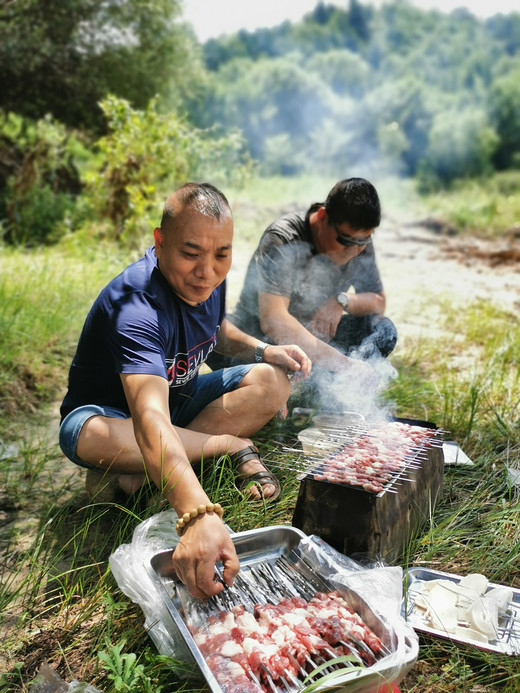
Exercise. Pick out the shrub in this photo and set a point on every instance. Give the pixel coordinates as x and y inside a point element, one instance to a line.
<point>145,154</point>
<point>41,182</point>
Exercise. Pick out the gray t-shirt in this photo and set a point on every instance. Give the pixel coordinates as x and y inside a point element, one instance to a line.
<point>286,263</point>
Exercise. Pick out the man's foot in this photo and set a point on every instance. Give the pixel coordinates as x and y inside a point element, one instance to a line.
<point>103,486</point>
<point>252,476</point>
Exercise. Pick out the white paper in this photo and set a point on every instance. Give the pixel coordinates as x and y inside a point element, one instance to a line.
<point>453,454</point>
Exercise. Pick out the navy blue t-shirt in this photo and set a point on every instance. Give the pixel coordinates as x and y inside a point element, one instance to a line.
<point>139,325</point>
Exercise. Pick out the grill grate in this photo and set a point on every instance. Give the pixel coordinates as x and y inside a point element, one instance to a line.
<point>378,458</point>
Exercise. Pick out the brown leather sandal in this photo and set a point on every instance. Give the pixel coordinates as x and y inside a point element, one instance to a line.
<point>260,479</point>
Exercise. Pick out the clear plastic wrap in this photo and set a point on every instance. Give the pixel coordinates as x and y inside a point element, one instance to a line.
<point>381,587</point>
<point>127,564</point>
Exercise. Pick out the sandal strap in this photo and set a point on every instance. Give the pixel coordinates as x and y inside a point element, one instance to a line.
<point>249,453</point>
<point>261,479</point>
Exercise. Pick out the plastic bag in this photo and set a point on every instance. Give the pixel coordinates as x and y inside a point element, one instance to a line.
<point>127,563</point>
<point>48,681</point>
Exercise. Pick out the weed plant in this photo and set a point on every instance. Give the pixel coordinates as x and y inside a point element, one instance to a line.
<point>44,298</point>
<point>59,602</point>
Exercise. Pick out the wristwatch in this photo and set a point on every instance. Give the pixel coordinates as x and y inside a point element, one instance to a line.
<point>343,299</point>
<point>259,351</point>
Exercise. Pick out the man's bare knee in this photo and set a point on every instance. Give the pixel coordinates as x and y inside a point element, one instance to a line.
<point>273,381</point>
<point>109,443</point>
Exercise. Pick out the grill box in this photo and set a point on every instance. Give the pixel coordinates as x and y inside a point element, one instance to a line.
<point>356,521</point>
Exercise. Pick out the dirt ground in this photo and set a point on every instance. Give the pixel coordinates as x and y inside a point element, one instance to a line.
<point>422,268</point>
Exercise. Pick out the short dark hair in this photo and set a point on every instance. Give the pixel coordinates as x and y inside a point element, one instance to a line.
<point>354,201</point>
<point>204,198</point>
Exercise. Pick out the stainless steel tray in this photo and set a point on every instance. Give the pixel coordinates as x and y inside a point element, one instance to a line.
<point>255,548</point>
<point>508,640</point>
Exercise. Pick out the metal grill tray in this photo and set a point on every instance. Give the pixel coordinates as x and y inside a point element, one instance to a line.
<point>508,641</point>
<point>255,548</point>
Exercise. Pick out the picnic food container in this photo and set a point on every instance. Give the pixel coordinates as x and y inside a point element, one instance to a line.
<point>503,637</point>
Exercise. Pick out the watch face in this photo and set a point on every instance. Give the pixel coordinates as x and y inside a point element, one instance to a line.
<point>343,299</point>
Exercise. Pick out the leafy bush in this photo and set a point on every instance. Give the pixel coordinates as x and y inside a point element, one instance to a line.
<point>144,156</point>
<point>42,180</point>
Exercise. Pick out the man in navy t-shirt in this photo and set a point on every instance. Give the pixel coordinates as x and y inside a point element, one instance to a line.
<point>136,404</point>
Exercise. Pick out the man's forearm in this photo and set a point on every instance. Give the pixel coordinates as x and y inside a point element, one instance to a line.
<point>233,342</point>
<point>367,303</point>
<point>168,466</point>
<point>290,330</point>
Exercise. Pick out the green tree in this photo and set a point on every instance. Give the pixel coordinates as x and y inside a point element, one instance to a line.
<point>63,56</point>
<point>265,98</point>
<point>504,108</point>
<point>408,106</point>
<point>461,145</point>
<point>343,70</point>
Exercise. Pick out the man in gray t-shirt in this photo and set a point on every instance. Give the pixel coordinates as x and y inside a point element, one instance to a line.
<point>313,280</point>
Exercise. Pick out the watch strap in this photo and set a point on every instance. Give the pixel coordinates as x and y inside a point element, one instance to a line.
<point>259,351</point>
<point>343,299</point>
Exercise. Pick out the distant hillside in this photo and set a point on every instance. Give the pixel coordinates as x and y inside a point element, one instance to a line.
<point>419,92</point>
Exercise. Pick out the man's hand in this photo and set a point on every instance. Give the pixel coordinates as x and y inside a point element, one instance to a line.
<point>325,320</point>
<point>205,541</point>
<point>289,357</point>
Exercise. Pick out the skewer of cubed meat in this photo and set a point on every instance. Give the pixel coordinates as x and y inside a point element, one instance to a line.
<point>370,461</point>
<point>231,676</point>
<point>248,652</point>
<point>332,608</point>
<point>238,637</point>
<point>288,625</point>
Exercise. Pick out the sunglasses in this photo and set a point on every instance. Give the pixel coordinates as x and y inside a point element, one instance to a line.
<point>349,240</point>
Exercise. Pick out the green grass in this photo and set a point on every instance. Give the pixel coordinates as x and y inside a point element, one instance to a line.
<point>488,208</point>
<point>44,296</point>
<point>58,599</point>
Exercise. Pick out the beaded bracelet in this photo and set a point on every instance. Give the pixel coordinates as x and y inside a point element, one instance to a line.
<point>199,510</point>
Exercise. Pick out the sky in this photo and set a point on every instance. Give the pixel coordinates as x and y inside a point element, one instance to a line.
<point>211,18</point>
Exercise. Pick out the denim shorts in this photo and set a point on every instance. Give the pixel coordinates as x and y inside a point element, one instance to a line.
<point>209,387</point>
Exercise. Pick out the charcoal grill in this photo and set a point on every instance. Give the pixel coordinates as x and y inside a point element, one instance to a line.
<point>353,517</point>
<point>274,568</point>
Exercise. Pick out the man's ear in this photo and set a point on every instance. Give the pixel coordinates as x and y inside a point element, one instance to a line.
<point>322,215</point>
<point>158,237</point>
